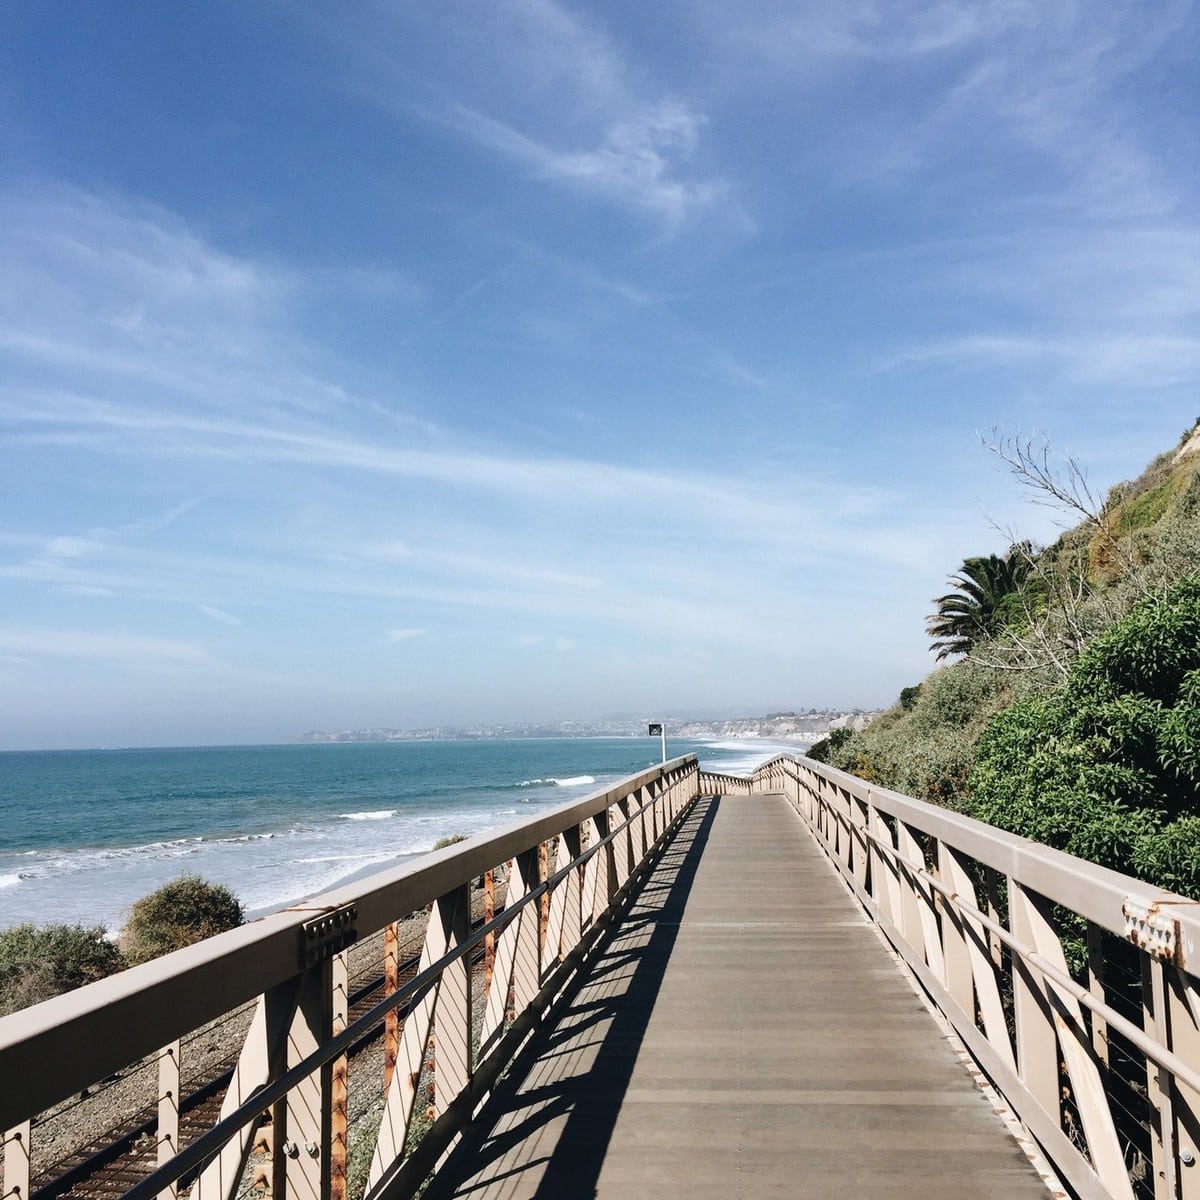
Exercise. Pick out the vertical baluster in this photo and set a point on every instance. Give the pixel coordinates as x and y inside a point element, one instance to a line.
<point>1032,925</point>
<point>984,972</point>
<point>955,953</point>
<point>991,881</point>
<point>1095,975</point>
<point>445,928</point>
<point>891,894</point>
<point>527,960</point>
<point>920,915</point>
<point>595,872</point>
<point>858,816</point>
<point>572,886</point>
<point>452,1015</point>
<point>621,843</point>
<point>1037,1044</point>
<point>516,955</point>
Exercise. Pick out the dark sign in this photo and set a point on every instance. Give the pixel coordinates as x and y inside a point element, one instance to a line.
<point>655,731</point>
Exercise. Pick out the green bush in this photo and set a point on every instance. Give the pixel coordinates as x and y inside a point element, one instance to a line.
<point>452,840</point>
<point>38,963</point>
<point>835,739</point>
<point>1171,856</point>
<point>1108,766</point>
<point>184,911</point>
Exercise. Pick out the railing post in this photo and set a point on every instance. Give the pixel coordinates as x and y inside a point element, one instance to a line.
<point>391,982</point>
<point>339,1141</point>
<point>168,1111</point>
<point>489,914</point>
<point>16,1161</point>
<point>262,1059</point>
<point>1171,1006</point>
<point>308,1109</point>
<point>1183,1031</point>
<point>543,873</point>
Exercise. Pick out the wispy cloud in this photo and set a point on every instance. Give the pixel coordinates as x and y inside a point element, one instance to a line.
<point>639,162</point>
<point>393,636</point>
<point>1121,360</point>
<point>553,94</point>
<point>88,644</point>
<point>1031,81</point>
<point>219,614</point>
<point>1115,307</point>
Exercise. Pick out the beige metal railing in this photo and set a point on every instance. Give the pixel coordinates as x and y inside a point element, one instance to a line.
<point>570,871</point>
<point>1101,1064</point>
<point>717,783</point>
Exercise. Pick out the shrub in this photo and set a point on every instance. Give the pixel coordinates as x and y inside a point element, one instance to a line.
<point>1171,856</point>
<point>184,911</point>
<point>835,739</point>
<point>452,840</point>
<point>38,963</point>
<point>1106,766</point>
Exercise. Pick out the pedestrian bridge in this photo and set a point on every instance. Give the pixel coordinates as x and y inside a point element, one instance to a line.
<point>687,984</point>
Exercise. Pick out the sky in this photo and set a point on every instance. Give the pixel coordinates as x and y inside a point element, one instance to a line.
<point>408,364</point>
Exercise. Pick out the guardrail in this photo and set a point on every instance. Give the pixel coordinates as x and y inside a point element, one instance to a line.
<point>717,783</point>
<point>1100,1063</point>
<point>290,1096</point>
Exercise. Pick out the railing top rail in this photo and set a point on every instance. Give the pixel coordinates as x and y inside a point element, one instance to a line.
<point>157,1002</point>
<point>1094,892</point>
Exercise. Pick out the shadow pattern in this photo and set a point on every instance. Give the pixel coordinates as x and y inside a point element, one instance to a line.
<point>545,1131</point>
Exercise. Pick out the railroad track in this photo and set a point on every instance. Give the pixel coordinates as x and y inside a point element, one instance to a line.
<point>109,1166</point>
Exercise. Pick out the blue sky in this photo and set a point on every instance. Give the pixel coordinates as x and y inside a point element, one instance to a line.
<point>400,364</point>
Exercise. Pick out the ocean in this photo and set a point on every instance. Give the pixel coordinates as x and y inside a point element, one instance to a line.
<point>85,833</point>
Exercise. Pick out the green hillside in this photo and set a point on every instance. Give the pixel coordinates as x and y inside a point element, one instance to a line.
<point>1070,708</point>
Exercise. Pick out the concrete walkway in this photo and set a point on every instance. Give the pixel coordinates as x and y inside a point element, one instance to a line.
<point>742,1034</point>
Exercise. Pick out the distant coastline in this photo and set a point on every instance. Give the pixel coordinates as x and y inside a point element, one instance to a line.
<point>789,727</point>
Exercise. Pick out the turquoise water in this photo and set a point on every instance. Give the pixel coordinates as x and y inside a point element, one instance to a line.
<point>83,834</point>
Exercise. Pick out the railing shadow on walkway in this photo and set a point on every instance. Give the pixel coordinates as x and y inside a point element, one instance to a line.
<point>585,1098</point>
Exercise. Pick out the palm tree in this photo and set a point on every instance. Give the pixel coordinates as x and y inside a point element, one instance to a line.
<point>974,611</point>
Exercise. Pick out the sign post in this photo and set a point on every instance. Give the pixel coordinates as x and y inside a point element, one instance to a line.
<point>659,729</point>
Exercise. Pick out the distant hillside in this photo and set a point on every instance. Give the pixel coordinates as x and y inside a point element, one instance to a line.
<point>798,727</point>
<point>1070,711</point>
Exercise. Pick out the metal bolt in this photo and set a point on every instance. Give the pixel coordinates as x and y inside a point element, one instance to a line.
<point>314,1151</point>
<point>291,1149</point>
<point>1187,1157</point>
